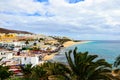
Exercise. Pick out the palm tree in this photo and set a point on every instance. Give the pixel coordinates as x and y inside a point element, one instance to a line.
<point>116,67</point>
<point>26,70</point>
<point>87,67</point>
<point>39,73</point>
<point>57,70</point>
<point>117,62</point>
<point>4,72</point>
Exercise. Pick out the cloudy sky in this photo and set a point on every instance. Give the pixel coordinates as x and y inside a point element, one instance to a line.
<point>78,19</point>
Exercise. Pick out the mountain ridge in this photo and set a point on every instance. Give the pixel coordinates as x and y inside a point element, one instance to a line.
<point>4,30</point>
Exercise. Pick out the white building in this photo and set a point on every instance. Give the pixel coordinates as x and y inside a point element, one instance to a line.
<point>18,43</point>
<point>6,55</point>
<point>30,60</point>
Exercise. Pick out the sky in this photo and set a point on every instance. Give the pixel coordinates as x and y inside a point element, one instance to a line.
<point>77,19</point>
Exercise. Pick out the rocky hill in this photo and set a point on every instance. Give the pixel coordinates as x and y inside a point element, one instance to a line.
<point>3,30</point>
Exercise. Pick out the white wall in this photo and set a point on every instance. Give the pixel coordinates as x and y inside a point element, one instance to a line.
<point>30,60</point>
<point>34,60</point>
<point>6,55</point>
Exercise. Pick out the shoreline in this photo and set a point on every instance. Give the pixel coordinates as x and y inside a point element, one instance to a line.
<point>71,43</point>
<point>66,44</point>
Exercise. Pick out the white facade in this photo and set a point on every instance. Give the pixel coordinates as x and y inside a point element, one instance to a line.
<point>30,60</point>
<point>6,55</point>
<point>18,43</point>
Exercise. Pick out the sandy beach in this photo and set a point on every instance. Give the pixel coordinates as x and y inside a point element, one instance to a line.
<point>71,43</point>
<point>66,44</point>
<point>48,57</point>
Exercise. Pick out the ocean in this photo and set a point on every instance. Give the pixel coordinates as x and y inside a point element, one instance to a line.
<point>107,50</point>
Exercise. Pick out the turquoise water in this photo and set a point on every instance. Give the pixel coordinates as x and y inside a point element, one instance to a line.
<point>107,50</point>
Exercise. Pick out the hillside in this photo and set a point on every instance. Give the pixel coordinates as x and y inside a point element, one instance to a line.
<point>3,30</point>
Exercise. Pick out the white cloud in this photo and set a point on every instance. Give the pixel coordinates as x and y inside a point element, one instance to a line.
<point>91,17</point>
